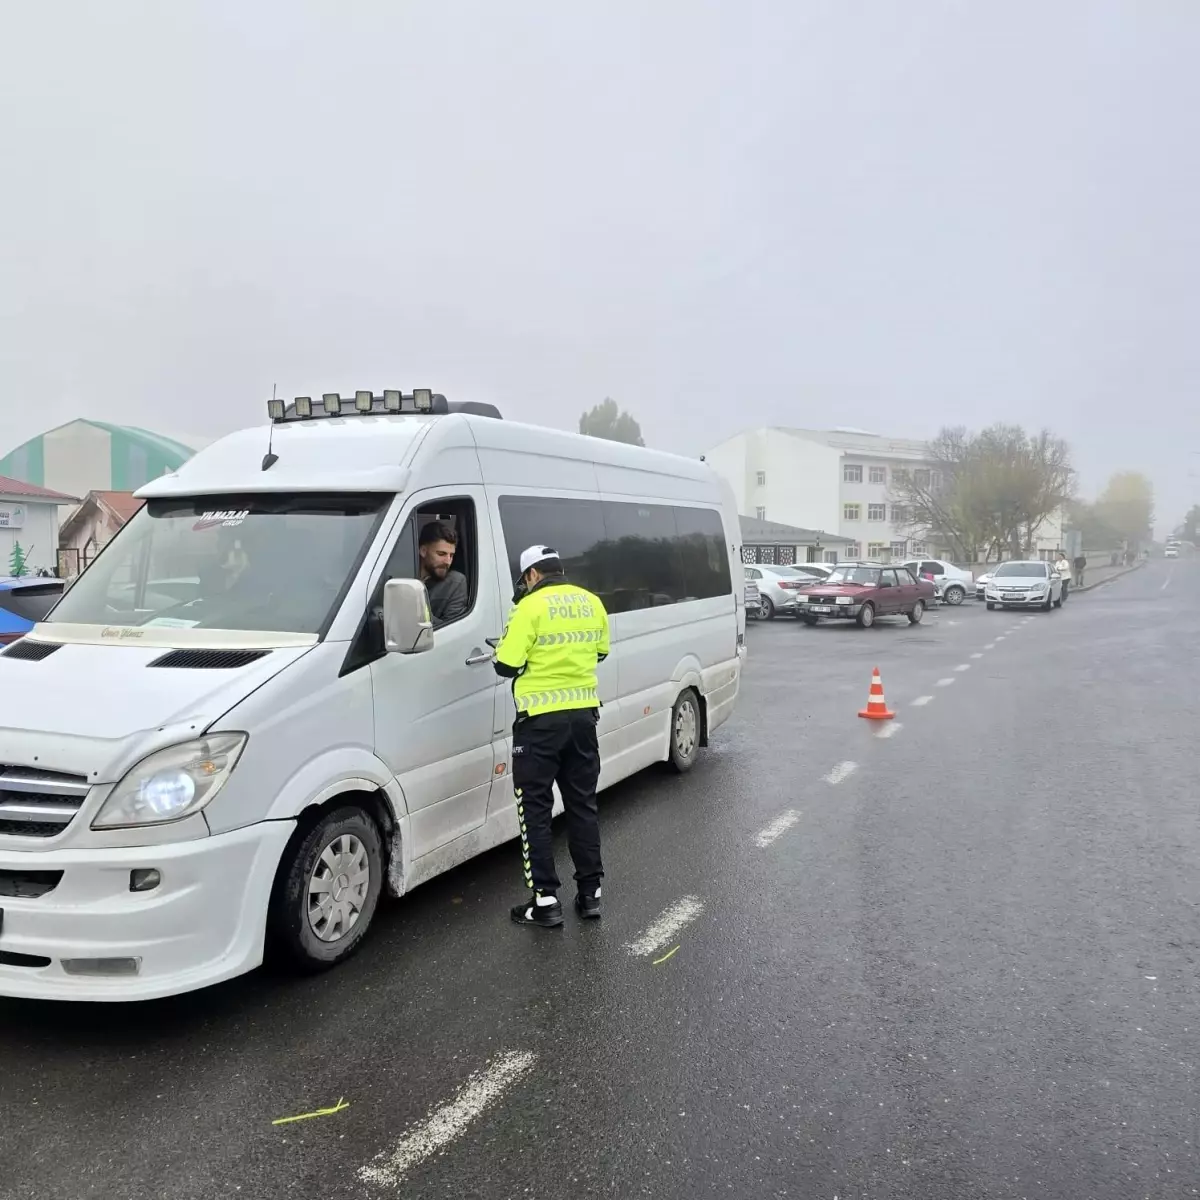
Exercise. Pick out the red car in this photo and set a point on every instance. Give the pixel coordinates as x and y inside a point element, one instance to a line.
<point>863,591</point>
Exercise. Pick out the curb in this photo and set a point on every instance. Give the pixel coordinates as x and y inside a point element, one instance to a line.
<point>1087,587</point>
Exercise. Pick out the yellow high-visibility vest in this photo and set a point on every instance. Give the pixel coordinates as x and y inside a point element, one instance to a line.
<point>558,632</point>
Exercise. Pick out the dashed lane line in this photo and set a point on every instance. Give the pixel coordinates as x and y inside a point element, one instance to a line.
<point>890,729</point>
<point>921,701</point>
<point>976,655</point>
<point>945,682</point>
<point>963,667</point>
<point>842,771</point>
<point>663,930</point>
<point>990,646</point>
<point>448,1121</point>
<point>777,828</point>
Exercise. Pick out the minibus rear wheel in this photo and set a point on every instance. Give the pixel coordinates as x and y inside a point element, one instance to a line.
<point>327,890</point>
<point>686,731</point>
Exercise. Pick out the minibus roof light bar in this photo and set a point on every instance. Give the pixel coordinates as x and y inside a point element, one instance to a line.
<point>419,402</point>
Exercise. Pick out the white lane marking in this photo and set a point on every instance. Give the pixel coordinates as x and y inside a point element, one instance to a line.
<point>990,646</point>
<point>1000,638</point>
<point>921,701</point>
<point>842,771</point>
<point>945,682</point>
<point>890,729</point>
<point>663,930</point>
<point>963,667</point>
<point>448,1121</point>
<point>777,827</point>
<point>1164,588</point>
<point>976,655</point>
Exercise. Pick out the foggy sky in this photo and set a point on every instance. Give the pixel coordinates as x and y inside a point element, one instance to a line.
<point>722,214</point>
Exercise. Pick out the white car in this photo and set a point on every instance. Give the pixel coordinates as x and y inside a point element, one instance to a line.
<point>1171,552</point>
<point>981,584</point>
<point>951,584</point>
<point>1025,585</point>
<point>780,587</point>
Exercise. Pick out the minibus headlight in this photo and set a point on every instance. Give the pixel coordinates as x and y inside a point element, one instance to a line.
<point>172,783</point>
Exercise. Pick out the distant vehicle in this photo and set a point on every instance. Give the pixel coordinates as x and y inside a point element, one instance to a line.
<point>24,602</point>
<point>981,584</point>
<point>1172,551</point>
<point>863,591</point>
<point>1024,585</point>
<point>778,586</point>
<point>752,600</point>
<point>951,583</point>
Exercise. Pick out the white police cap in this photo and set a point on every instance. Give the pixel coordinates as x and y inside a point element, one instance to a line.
<point>535,555</point>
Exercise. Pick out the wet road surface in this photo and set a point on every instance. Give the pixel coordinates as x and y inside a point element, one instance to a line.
<point>953,955</point>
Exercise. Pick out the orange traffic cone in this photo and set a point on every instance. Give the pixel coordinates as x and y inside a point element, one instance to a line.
<point>877,709</point>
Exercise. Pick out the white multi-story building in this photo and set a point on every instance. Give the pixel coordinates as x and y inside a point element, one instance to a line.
<point>840,480</point>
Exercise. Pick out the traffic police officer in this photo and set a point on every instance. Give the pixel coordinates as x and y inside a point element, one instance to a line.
<point>556,635</point>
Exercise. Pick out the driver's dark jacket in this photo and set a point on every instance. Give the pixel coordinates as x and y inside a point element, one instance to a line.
<point>448,597</point>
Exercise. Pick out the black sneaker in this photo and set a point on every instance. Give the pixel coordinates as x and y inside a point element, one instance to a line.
<point>588,906</point>
<point>533,913</point>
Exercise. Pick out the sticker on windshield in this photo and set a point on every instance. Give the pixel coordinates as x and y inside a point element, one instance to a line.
<point>171,623</point>
<point>223,518</point>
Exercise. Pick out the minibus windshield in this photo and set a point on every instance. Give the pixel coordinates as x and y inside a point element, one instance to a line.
<point>257,562</point>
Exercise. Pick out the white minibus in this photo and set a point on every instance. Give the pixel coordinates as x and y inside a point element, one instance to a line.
<point>238,728</point>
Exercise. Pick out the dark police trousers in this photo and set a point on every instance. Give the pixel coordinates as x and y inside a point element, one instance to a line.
<point>562,748</point>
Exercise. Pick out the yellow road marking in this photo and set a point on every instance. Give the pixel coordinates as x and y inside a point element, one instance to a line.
<point>664,958</point>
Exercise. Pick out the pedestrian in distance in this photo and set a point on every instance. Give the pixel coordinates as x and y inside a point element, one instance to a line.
<point>1063,566</point>
<point>1080,567</point>
<point>556,635</point>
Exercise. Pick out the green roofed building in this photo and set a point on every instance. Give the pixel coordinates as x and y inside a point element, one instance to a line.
<point>85,456</point>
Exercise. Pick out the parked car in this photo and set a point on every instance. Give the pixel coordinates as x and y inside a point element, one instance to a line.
<point>753,600</point>
<point>778,586</point>
<point>981,584</point>
<point>952,584</point>
<point>24,602</point>
<point>863,591</point>
<point>1171,552</point>
<point>1024,585</point>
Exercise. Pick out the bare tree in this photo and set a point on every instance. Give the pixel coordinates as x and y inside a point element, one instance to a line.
<point>985,492</point>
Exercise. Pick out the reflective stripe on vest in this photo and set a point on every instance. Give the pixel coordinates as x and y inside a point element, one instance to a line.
<point>532,701</point>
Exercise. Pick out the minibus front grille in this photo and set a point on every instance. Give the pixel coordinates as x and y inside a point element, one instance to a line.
<point>37,803</point>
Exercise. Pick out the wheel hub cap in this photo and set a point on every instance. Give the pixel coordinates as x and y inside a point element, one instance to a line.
<point>337,888</point>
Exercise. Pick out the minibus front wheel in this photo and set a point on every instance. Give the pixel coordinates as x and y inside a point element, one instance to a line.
<point>327,889</point>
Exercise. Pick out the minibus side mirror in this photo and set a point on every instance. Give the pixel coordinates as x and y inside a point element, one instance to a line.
<point>407,621</point>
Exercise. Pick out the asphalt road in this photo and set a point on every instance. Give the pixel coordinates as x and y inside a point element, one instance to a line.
<point>955,955</point>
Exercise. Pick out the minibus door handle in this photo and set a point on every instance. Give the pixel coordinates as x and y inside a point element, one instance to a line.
<point>478,657</point>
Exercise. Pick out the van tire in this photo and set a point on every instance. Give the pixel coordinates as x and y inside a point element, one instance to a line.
<point>291,932</point>
<point>684,734</point>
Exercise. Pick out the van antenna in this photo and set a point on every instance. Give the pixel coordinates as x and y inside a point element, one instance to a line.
<point>271,458</point>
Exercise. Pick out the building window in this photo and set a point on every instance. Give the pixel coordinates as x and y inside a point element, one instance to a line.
<point>851,473</point>
<point>785,556</point>
<point>921,477</point>
<point>761,478</point>
<point>878,474</point>
<point>901,514</point>
<point>831,556</point>
<point>918,549</point>
<point>761,513</point>
<point>876,512</point>
<point>853,551</point>
<point>898,549</point>
<point>851,512</point>
<point>876,549</point>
